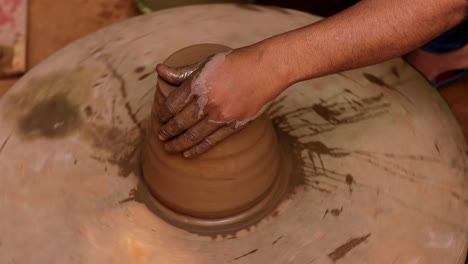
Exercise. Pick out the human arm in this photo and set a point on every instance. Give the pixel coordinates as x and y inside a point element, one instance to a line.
<point>249,78</point>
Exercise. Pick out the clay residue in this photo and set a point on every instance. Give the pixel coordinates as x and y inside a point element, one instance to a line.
<point>88,110</point>
<point>276,240</point>
<point>55,117</point>
<point>336,211</point>
<point>2,147</point>
<point>144,76</point>
<point>117,146</point>
<point>350,181</point>
<point>296,129</point>
<point>395,72</point>
<point>246,254</point>
<point>134,195</point>
<point>139,69</point>
<point>378,81</point>
<point>342,250</point>
<point>49,106</point>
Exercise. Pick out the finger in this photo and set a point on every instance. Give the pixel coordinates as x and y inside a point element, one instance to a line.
<point>176,101</point>
<point>176,75</point>
<point>192,136</point>
<point>180,122</point>
<point>210,141</point>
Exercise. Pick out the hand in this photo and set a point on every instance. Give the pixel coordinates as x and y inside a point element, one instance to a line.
<point>217,97</point>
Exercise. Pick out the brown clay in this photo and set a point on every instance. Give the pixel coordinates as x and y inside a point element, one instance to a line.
<point>231,180</point>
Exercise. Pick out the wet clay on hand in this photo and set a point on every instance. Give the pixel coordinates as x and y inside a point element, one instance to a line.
<point>226,181</point>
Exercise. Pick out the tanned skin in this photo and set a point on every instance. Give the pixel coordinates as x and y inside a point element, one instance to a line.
<point>250,77</point>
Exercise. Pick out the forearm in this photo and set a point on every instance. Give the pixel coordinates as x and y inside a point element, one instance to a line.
<point>370,32</point>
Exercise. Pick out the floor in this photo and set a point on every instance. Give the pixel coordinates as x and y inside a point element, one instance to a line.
<point>53,24</point>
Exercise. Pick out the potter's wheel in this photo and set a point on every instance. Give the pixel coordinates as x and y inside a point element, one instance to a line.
<point>383,161</point>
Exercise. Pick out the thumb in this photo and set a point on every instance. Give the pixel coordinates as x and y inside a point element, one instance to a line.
<point>176,75</point>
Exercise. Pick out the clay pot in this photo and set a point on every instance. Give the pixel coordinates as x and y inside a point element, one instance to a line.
<point>229,180</point>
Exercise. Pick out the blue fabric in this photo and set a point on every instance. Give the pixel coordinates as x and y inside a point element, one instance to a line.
<point>451,40</point>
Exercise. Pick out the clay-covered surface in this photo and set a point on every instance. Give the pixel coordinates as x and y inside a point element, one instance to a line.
<point>383,161</point>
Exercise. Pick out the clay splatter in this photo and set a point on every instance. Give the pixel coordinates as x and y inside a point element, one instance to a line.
<point>139,69</point>
<point>341,108</point>
<point>325,214</point>
<point>246,254</point>
<point>134,195</point>
<point>378,81</point>
<point>120,147</point>
<point>395,72</point>
<point>133,117</point>
<point>144,76</point>
<point>276,240</point>
<point>4,143</point>
<point>123,92</point>
<point>350,181</point>
<point>88,111</point>
<point>336,211</point>
<point>342,250</point>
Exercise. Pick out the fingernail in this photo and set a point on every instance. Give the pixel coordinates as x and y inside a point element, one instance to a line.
<point>186,154</point>
<point>161,137</point>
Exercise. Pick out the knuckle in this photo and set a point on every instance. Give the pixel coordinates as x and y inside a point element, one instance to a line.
<point>195,150</point>
<point>191,135</point>
<point>209,142</point>
<point>165,111</point>
<point>170,105</point>
<point>178,124</point>
<point>164,133</point>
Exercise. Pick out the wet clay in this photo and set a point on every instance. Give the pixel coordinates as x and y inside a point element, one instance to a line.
<point>231,182</point>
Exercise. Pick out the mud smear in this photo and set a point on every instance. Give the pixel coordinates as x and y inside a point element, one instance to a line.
<point>276,241</point>
<point>49,107</point>
<point>310,170</point>
<point>342,250</point>
<point>123,91</point>
<point>134,196</point>
<point>350,181</point>
<point>376,80</point>
<point>296,128</point>
<point>342,108</point>
<point>246,254</point>
<point>139,69</point>
<point>120,147</point>
<point>336,211</point>
<point>395,72</point>
<point>88,111</point>
<point>144,76</point>
<point>55,117</point>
